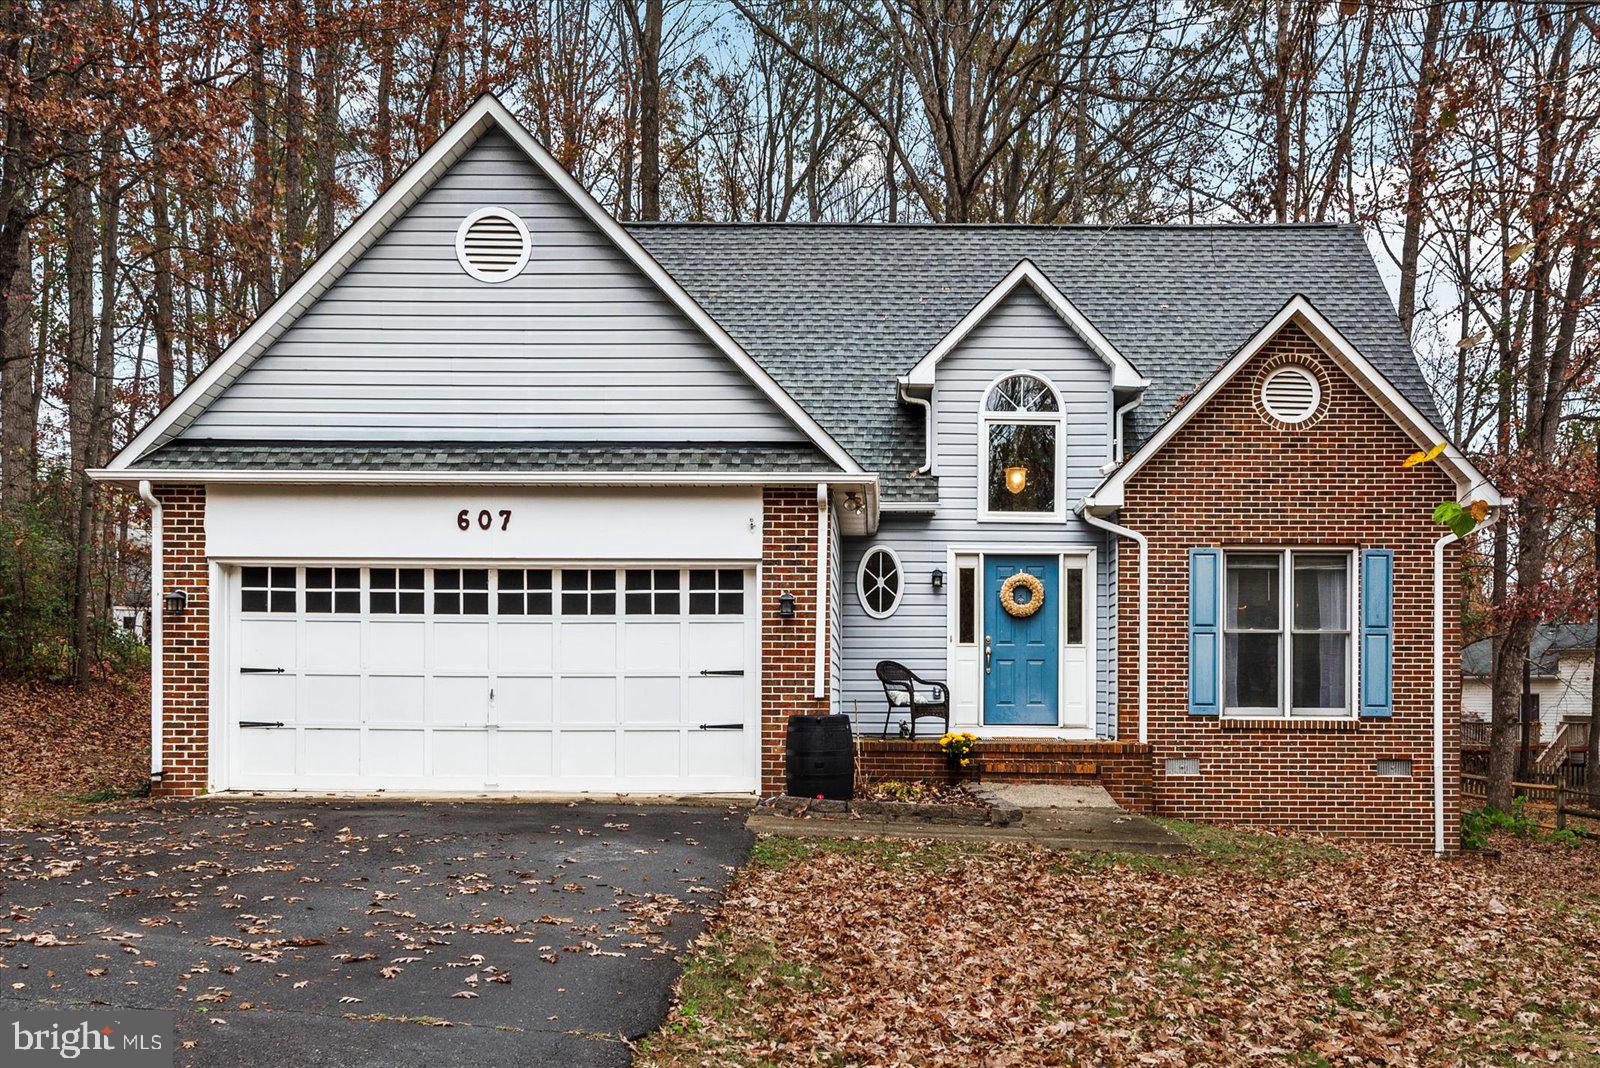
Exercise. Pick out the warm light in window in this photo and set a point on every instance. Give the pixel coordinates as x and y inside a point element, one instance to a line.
<point>1016,479</point>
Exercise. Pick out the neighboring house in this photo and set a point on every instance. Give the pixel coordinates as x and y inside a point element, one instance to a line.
<point>1561,658</point>
<point>506,495</point>
<point>132,619</point>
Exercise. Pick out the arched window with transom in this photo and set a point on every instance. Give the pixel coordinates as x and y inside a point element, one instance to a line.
<point>1020,442</point>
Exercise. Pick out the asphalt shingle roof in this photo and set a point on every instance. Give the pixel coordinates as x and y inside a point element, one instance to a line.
<point>547,457</point>
<point>837,312</point>
<point>1550,640</point>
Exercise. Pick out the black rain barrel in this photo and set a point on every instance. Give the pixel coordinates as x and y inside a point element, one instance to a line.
<point>821,757</point>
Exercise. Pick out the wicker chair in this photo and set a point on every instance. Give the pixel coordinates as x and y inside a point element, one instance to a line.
<point>919,698</point>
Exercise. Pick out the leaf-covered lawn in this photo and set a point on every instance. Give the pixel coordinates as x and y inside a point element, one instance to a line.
<point>1257,950</point>
<point>65,751</point>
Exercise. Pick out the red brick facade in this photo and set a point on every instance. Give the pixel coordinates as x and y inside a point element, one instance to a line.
<point>186,643</point>
<point>788,650</point>
<point>1232,478</point>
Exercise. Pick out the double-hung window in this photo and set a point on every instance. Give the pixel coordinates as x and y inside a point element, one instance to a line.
<point>1287,621</point>
<point>1020,449</point>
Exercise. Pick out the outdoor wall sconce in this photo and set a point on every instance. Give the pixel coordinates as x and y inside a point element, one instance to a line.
<point>175,601</point>
<point>786,605</point>
<point>938,580</point>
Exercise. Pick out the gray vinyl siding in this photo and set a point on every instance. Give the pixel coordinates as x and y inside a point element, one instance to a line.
<point>580,346</point>
<point>1021,333</point>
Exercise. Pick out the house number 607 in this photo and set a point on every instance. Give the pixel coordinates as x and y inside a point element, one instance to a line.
<point>484,519</point>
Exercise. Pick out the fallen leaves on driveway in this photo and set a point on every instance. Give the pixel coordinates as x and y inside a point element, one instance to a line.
<point>64,751</point>
<point>899,953</point>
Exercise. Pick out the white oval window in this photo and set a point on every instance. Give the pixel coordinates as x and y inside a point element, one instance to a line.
<point>493,245</point>
<point>1291,394</point>
<point>879,582</point>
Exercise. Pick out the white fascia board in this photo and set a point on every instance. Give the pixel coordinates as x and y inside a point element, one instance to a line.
<point>489,478</point>
<point>371,224</point>
<point>1123,374</point>
<point>1471,484</point>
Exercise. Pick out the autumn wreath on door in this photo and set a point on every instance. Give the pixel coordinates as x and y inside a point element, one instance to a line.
<point>1008,595</point>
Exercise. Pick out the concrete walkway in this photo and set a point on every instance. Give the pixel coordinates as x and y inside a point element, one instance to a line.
<point>1056,817</point>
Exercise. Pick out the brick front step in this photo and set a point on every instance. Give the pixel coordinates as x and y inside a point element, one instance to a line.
<point>1123,768</point>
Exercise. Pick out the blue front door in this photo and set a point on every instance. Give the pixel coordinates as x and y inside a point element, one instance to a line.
<point>1021,655</point>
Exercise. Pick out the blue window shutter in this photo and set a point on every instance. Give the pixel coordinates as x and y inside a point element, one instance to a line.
<point>1205,617</point>
<point>1377,632</point>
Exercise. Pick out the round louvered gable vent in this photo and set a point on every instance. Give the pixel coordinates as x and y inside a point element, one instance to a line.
<point>1291,394</point>
<point>493,245</point>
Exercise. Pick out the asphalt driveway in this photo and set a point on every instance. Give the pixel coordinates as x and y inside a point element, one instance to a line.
<point>369,933</point>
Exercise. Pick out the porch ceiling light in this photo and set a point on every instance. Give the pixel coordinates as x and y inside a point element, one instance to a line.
<point>854,504</point>
<point>1016,479</point>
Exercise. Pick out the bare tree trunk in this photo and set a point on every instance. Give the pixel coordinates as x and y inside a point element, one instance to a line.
<point>325,76</point>
<point>1591,765</point>
<point>16,392</point>
<point>80,380</point>
<point>294,123</point>
<point>261,172</point>
<point>1417,161</point>
<point>1283,52</point>
<point>648,50</point>
<point>384,132</point>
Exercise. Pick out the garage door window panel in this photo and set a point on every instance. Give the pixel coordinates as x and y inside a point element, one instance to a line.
<point>333,591</point>
<point>718,592</point>
<point>587,592</point>
<point>525,592</point>
<point>396,591</point>
<point>651,593</point>
<point>268,589</point>
<point>460,591</point>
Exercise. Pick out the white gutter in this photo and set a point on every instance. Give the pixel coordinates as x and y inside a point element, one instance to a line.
<point>155,631</point>
<point>490,478</point>
<point>818,689</point>
<point>1438,682</point>
<point>1144,610</point>
<point>927,431</point>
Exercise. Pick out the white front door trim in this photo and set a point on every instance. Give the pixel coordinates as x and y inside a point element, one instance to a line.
<point>958,657</point>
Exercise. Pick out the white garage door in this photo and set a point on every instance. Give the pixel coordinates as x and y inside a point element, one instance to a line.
<point>484,678</point>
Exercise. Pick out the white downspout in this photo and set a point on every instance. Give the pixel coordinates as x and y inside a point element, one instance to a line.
<point>818,689</point>
<point>1144,612</point>
<point>927,431</point>
<point>1116,425</point>
<point>149,497</point>
<point>1438,683</point>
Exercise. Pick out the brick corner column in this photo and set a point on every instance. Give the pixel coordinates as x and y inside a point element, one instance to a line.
<point>185,643</point>
<point>788,649</point>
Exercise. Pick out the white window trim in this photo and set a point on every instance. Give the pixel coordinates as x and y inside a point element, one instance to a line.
<point>1316,394</point>
<point>1284,710</point>
<point>861,582</point>
<point>499,213</point>
<point>1057,419</point>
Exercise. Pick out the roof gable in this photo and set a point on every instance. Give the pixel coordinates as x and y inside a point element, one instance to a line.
<point>1123,374</point>
<point>838,312</point>
<point>1470,483</point>
<point>203,409</point>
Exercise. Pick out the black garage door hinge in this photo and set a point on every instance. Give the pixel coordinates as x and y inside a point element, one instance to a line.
<point>722,726</point>
<point>260,671</point>
<point>724,671</point>
<point>261,723</point>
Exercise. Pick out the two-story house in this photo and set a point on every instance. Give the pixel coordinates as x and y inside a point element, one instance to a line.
<point>506,495</point>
